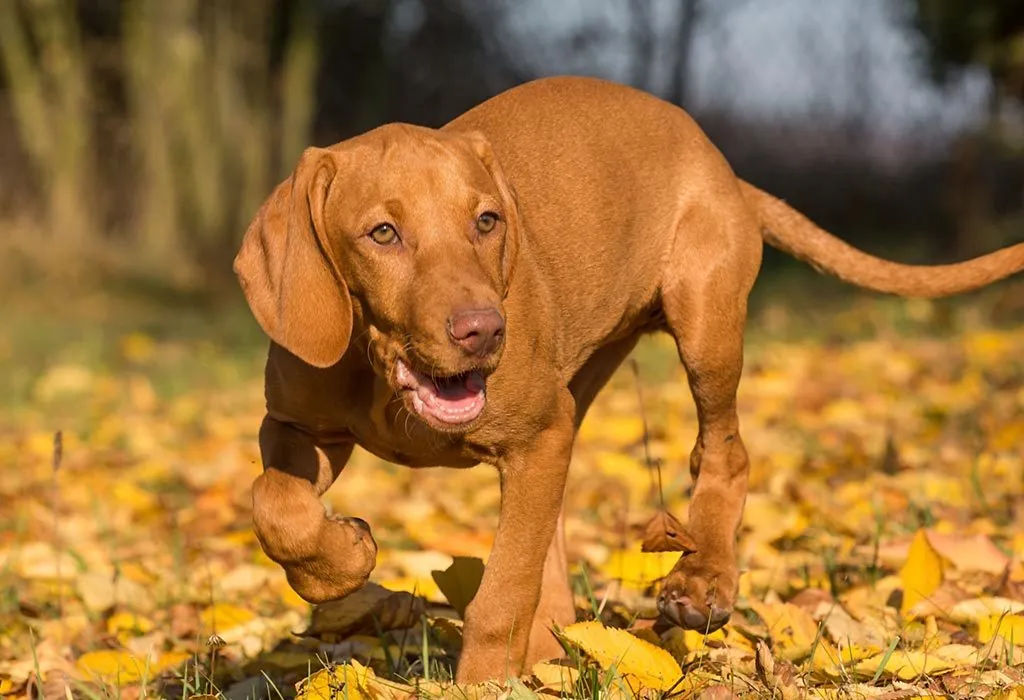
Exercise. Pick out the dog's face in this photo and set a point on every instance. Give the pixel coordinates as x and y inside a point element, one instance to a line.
<point>408,233</point>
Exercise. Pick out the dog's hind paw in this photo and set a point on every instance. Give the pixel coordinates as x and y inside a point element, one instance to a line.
<point>698,598</point>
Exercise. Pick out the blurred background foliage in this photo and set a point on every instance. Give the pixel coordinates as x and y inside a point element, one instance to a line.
<point>137,137</point>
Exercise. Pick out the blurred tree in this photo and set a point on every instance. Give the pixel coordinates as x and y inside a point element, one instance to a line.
<point>959,35</point>
<point>962,34</point>
<point>187,111</point>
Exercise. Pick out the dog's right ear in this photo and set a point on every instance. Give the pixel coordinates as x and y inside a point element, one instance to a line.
<point>286,269</point>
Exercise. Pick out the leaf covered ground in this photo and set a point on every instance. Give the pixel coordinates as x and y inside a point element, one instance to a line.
<point>881,548</point>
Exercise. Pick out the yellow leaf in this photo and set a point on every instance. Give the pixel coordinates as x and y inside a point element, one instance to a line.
<point>972,611</point>
<point>128,622</point>
<point>904,665</point>
<point>460,581</point>
<point>637,569</point>
<point>220,617</point>
<point>694,640</point>
<point>616,431</point>
<point>556,676</point>
<point>346,681</point>
<point>629,656</point>
<point>921,574</point>
<point>416,585</point>
<point>137,347</point>
<point>118,667</point>
<point>1009,627</point>
<point>128,494</point>
<point>792,628</point>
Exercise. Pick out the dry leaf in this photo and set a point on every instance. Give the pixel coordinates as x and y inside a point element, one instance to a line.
<point>664,533</point>
<point>921,573</point>
<point>973,610</point>
<point>629,656</point>
<point>460,581</point>
<point>969,552</point>
<point>1009,627</point>
<point>905,665</point>
<point>552,675</point>
<point>372,609</point>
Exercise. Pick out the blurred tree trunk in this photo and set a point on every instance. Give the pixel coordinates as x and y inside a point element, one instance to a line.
<point>686,30</point>
<point>210,128</point>
<point>151,28</point>
<point>642,38</point>
<point>47,74</point>
<point>298,99</point>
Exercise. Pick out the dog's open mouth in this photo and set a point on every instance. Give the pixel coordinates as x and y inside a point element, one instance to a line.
<point>450,401</point>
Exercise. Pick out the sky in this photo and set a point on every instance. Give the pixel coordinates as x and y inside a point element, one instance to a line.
<point>774,57</point>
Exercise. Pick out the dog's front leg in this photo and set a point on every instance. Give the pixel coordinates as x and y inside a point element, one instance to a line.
<point>324,557</point>
<point>499,620</point>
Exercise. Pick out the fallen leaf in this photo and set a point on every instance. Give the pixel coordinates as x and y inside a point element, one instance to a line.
<point>969,552</point>
<point>921,573</point>
<point>555,676</point>
<point>663,533</point>
<point>905,665</point>
<point>372,609</point>
<point>1009,627</point>
<point>460,581</point>
<point>221,617</point>
<point>971,611</point>
<point>793,630</point>
<point>637,569</point>
<point>119,667</point>
<point>629,656</point>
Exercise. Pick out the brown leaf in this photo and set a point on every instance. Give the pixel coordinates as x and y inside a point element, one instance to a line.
<point>969,552</point>
<point>372,609</point>
<point>460,581</point>
<point>664,533</point>
<point>184,620</point>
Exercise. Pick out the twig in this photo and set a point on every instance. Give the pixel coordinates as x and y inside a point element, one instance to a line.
<point>58,457</point>
<point>654,464</point>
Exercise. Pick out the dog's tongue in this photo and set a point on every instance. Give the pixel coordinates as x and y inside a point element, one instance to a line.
<point>461,388</point>
<point>454,398</point>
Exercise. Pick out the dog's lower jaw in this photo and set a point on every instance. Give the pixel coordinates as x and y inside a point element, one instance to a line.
<point>450,405</point>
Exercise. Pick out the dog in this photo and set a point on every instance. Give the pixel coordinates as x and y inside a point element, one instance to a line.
<point>456,296</point>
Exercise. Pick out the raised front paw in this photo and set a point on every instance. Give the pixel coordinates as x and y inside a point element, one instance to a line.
<point>699,594</point>
<point>339,563</point>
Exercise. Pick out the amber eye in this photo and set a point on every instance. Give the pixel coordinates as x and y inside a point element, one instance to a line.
<point>486,222</point>
<point>385,234</point>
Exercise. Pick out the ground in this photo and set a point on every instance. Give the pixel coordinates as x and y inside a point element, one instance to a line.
<point>881,547</point>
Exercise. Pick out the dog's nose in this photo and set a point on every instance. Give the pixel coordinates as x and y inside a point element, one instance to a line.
<point>477,331</point>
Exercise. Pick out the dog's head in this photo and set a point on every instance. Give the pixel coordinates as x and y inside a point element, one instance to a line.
<point>406,237</point>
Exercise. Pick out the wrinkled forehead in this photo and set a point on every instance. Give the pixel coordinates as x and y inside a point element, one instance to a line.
<point>400,161</point>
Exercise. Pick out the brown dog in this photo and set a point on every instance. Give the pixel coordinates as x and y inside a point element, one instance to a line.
<point>457,296</point>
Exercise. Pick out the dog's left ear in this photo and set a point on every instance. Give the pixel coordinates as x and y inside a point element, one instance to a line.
<point>485,152</point>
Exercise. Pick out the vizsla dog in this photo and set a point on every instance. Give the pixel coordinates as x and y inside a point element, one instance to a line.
<point>459,296</point>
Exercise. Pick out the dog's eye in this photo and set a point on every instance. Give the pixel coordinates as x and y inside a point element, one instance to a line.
<point>486,222</point>
<point>385,234</point>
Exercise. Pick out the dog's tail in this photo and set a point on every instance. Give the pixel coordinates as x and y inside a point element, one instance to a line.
<point>791,232</point>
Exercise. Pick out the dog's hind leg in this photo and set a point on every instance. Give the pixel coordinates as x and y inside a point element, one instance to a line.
<point>714,262</point>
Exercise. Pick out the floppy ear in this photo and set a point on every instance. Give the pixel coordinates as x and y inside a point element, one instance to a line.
<point>286,271</point>
<point>482,147</point>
